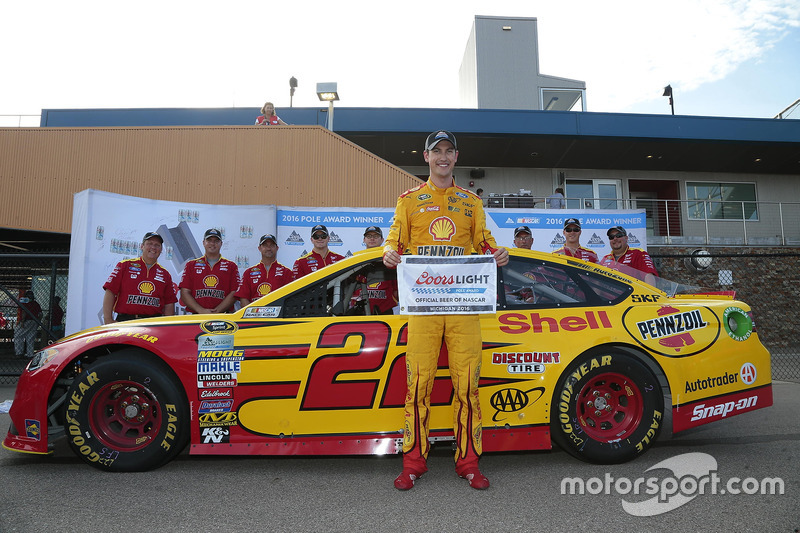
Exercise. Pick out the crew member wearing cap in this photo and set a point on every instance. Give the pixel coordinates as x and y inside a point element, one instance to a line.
<point>523,238</point>
<point>633,261</point>
<point>320,256</point>
<point>423,225</point>
<point>26,327</point>
<point>573,248</point>
<point>266,276</point>
<point>209,283</point>
<point>382,294</point>
<point>140,288</point>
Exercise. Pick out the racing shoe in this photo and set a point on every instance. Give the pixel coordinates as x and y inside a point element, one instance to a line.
<point>406,479</point>
<point>476,479</point>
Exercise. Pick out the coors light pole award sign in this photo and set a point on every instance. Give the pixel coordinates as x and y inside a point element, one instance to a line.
<point>460,285</point>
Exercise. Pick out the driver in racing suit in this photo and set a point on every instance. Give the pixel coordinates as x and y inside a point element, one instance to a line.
<point>440,218</point>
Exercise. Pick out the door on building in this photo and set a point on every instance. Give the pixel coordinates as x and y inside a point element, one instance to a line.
<point>663,215</point>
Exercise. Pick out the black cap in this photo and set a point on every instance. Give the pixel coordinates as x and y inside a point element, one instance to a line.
<point>213,232</point>
<point>572,222</point>
<point>373,229</point>
<point>30,294</point>
<point>616,229</point>
<point>267,237</point>
<point>151,235</point>
<point>437,136</point>
<point>522,229</point>
<point>319,227</point>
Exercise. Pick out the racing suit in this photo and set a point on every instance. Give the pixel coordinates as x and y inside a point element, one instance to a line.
<point>443,222</point>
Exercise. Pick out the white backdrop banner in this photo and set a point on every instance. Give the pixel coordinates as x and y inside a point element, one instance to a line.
<point>107,228</point>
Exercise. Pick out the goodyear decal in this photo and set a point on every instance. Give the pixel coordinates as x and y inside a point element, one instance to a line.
<point>124,333</point>
<point>672,331</point>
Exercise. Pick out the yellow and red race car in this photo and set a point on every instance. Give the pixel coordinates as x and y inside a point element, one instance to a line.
<point>592,359</point>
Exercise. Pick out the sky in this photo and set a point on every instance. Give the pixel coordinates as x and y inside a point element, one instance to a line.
<point>737,58</point>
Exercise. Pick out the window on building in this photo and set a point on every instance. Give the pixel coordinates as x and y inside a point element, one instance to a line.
<point>722,201</point>
<point>593,194</point>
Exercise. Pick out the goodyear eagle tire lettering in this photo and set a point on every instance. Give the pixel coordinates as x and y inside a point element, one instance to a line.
<point>126,413</point>
<point>607,408</point>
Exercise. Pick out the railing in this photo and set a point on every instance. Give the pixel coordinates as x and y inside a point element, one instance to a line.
<point>692,222</point>
<point>20,121</point>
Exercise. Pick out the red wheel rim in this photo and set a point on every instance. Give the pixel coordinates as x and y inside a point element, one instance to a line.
<point>610,407</point>
<point>124,416</point>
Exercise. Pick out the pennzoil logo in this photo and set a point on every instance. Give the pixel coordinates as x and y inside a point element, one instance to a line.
<point>218,419</point>
<point>442,229</point>
<point>219,326</point>
<point>675,330</point>
<point>211,281</point>
<point>146,288</point>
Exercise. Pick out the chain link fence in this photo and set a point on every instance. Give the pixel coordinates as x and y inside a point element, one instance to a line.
<point>27,324</point>
<point>765,278</point>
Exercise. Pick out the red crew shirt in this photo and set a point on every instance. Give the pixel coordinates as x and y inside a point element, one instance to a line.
<point>580,253</point>
<point>634,262</point>
<point>210,285</point>
<point>312,261</point>
<point>140,290</point>
<point>259,280</point>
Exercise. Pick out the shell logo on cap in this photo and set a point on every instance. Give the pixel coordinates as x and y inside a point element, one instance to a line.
<point>211,281</point>
<point>146,287</point>
<point>442,229</point>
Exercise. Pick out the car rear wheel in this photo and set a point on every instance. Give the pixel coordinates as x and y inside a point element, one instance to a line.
<point>127,412</point>
<point>608,408</point>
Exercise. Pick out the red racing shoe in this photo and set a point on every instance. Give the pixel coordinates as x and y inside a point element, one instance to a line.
<point>476,479</point>
<point>405,480</point>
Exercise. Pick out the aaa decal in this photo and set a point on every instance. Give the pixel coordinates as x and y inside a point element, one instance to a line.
<point>673,331</point>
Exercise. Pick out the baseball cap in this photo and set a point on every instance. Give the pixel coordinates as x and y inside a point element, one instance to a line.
<point>213,232</point>
<point>373,229</point>
<point>267,237</point>
<point>437,136</point>
<point>522,229</point>
<point>572,222</point>
<point>616,229</point>
<point>152,234</point>
<point>319,227</point>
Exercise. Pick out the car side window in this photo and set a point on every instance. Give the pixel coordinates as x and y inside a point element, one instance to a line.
<point>332,295</point>
<point>527,282</point>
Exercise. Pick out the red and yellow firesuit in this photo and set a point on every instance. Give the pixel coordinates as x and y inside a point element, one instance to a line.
<point>432,221</point>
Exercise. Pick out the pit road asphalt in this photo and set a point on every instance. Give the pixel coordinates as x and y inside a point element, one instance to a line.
<point>59,493</point>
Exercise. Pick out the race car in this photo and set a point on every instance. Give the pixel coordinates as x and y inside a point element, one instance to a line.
<point>592,359</point>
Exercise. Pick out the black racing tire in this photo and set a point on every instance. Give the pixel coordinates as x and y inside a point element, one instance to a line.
<point>608,408</point>
<point>127,412</point>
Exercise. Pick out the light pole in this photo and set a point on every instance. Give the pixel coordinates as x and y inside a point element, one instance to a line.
<point>327,92</point>
<point>668,92</point>
<point>292,87</point>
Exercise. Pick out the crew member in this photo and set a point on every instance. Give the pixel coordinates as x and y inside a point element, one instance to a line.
<point>139,288</point>
<point>266,276</point>
<point>209,283</point>
<point>381,294</point>
<point>26,326</point>
<point>572,247</point>
<point>632,261</point>
<point>320,256</point>
<point>523,238</point>
<point>422,219</point>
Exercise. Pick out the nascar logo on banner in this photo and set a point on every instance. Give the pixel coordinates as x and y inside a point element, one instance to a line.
<point>460,285</point>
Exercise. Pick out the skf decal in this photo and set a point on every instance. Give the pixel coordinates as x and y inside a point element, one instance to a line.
<point>512,400</point>
<point>525,362</point>
<point>218,326</point>
<point>674,331</point>
<point>216,435</point>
